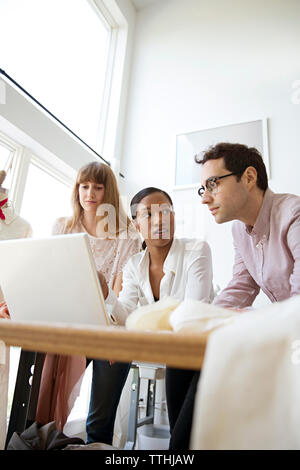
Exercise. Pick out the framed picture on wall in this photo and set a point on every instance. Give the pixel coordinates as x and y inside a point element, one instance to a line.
<point>188,172</point>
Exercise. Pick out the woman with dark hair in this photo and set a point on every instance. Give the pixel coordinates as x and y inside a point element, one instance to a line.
<point>180,268</point>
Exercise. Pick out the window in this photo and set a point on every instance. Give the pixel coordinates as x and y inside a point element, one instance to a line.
<point>6,159</point>
<point>46,197</point>
<point>58,51</point>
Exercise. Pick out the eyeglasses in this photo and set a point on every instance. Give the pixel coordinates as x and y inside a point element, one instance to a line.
<point>211,184</point>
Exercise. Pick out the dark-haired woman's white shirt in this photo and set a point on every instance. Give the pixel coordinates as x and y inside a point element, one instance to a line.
<point>187,275</point>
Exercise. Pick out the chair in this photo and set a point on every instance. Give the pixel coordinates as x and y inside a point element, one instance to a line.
<point>150,372</point>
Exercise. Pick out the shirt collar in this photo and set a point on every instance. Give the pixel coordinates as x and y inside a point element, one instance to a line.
<point>144,261</point>
<point>170,261</point>
<point>172,258</point>
<point>261,227</point>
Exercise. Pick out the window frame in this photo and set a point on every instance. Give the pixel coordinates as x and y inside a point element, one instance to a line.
<point>29,136</point>
<point>17,151</point>
<point>22,158</point>
<point>9,145</point>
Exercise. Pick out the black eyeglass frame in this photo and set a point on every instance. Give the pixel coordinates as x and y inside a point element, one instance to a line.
<point>213,179</point>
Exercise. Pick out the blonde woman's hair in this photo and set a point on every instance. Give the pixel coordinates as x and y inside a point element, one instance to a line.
<point>98,173</point>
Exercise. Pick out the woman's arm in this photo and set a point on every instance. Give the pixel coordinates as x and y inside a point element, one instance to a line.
<point>199,284</point>
<point>120,307</point>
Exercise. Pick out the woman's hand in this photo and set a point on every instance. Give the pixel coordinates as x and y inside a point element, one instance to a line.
<point>103,283</point>
<point>4,313</point>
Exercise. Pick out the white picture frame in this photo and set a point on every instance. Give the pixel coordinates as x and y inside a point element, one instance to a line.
<point>187,171</point>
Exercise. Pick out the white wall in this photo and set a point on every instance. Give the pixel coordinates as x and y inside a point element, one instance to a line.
<point>199,64</point>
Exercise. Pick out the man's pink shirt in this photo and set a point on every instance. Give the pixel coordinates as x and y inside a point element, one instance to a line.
<point>268,257</point>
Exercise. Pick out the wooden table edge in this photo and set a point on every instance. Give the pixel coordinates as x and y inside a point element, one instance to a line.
<point>185,350</point>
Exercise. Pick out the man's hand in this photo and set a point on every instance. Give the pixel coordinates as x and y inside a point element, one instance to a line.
<point>4,313</point>
<point>103,283</point>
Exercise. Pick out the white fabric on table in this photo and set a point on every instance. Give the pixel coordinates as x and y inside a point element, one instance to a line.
<point>248,394</point>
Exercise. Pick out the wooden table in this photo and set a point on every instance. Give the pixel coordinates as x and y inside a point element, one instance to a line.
<point>179,350</point>
<point>112,343</point>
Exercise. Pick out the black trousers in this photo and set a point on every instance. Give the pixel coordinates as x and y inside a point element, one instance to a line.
<point>181,387</point>
<point>107,385</point>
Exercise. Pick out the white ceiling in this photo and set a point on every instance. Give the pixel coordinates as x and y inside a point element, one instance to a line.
<point>139,4</point>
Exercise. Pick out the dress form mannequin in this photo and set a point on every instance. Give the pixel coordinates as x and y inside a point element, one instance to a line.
<point>11,226</point>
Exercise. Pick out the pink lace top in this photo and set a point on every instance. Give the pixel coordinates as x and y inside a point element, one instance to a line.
<point>110,254</point>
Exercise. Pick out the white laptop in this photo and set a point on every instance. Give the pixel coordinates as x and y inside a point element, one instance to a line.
<point>52,280</point>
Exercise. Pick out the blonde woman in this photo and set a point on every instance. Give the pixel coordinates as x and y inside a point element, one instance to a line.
<point>98,212</point>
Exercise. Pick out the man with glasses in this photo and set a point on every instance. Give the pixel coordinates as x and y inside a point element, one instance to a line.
<point>266,231</point>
